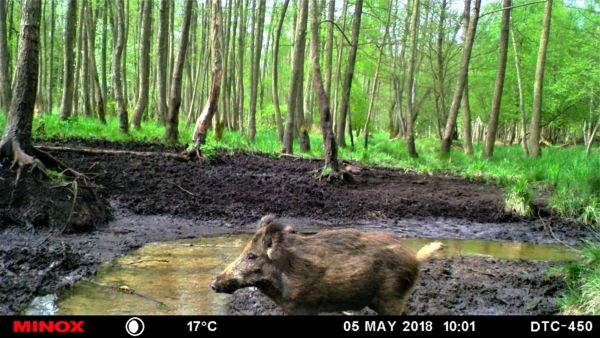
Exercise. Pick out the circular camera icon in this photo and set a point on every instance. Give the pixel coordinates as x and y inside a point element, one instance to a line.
<point>134,326</point>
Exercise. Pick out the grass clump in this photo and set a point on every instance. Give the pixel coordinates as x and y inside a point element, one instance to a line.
<point>518,198</point>
<point>582,294</point>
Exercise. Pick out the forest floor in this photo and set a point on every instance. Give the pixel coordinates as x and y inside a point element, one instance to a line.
<point>171,198</point>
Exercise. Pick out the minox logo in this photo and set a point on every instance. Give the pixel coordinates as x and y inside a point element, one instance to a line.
<point>48,326</point>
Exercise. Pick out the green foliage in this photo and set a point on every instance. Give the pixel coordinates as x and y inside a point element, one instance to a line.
<point>518,198</point>
<point>84,127</point>
<point>582,295</point>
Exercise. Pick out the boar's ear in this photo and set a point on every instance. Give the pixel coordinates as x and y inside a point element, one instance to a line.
<point>266,220</point>
<point>274,235</point>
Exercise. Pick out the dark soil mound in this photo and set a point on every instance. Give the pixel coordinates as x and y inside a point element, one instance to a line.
<point>244,187</point>
<point>37,201</point>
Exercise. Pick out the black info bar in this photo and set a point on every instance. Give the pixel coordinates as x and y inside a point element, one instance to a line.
<point>293,326</point>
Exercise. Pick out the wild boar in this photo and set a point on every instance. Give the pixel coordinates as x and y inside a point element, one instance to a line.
<point>330,271</point>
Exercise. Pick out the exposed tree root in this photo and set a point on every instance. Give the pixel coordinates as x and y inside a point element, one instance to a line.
<point>64,200</point>
<point>330,175</point>
<point>114,152</point>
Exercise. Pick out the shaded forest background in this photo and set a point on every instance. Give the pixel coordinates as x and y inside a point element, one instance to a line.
<point>83,35</point>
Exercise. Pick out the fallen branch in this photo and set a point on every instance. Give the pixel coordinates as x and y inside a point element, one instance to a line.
<point>113,152</point>
<point>187,191</point>
<point>126,289</point>
<point>148,260</point>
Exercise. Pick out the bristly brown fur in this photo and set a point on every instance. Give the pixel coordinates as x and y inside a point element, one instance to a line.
<point>334,270</point>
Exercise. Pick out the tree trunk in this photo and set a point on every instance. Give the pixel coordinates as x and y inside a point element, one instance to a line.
<point>79,50</point>
<point>329,145</point>
<point>347,86</point>
<point>329,46</point>
<point>162,60</point>
<point>440,75</point>
<point>85,61</point>
<point>520,90</point>
<point>16,139</point>
<point>146,36</point>
<point>338,66</point>
<point>66,105</point>
<point>274,83</point>
<point>376,80</point>
<point>538,85</point>
<point>172,132</point>
<point>240,67</point>
<point>410,79</point>
<point>103,50</point>
<point>255,71</point>
<point>295,81</point>
<point>50,85</point>
<point>204,120</point>
<point>121,109</point>
<point>490,139</point>
<point>97,89</point>
<point>462,77</point>
<point>466,127</point>
<point>5,90</point>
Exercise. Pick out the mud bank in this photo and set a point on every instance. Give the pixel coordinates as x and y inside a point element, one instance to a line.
<point>158,198</point>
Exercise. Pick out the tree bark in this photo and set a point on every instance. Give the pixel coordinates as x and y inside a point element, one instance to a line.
<point>376,80</point>
<point>329,46</point>
<point>121,108</point>
<point>274,83</point>
<point>295,80</point>
<point>97,89</point>
<point>5,90</point>
<point>462,77</point>
<point>66,106</point>
<point>50,86</point>
<point>79,50</point>
<point>466,127</point>
<point>146,36</point>
<point>85,61</point>
<point>440,74</point>
<point>172,132</point>
<point>103,50</point>
<point>465,105</point>
<point>255,71</point>
<point>490,139</point>
<point>338,66</point>
<point>521,96</point>
<point>162,59</point>
<point>347,86</point>
<point>16,141</point>
<point>204,120</point>
<point>538,85</point>
<point>329,145</point>
<point>410,79</point>
<point>240,67</point>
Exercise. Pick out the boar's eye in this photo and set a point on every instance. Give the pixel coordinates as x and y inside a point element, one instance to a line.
<point>251,256</point>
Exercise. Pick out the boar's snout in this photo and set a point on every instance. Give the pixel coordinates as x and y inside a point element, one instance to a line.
<point>222,284</point>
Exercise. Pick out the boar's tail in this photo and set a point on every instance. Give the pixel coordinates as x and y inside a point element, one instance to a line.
<point>425,252</point>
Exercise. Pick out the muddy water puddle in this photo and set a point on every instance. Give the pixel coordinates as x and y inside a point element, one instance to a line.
<point>172,277</point>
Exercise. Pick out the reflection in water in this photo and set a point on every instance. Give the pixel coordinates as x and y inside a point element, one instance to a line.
<point>175,274</point>
<point>173,277</point>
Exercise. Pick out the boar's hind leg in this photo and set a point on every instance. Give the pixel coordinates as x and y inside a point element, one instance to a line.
<point>390,307</point>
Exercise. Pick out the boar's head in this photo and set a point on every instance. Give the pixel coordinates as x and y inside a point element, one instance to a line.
<point>255,266</point>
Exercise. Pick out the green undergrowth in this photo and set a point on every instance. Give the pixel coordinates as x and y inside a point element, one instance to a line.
<point>569,178</point>
<point>582,277</point>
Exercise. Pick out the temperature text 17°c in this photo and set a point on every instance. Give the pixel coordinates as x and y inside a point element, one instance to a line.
<point>196,325</point>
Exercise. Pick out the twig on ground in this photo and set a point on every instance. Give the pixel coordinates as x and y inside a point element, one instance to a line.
<point>128,290</point>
